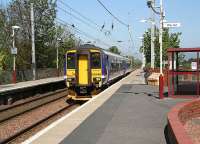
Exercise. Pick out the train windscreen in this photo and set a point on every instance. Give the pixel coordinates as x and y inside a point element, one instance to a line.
<point>95,60</point>
<point>71,61</point>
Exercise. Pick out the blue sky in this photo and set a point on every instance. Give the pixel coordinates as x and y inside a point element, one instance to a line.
<point>184,11</point>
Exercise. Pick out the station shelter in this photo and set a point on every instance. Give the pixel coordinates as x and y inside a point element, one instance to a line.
<point>184,72</point>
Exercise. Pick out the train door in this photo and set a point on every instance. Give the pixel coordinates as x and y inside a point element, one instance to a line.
<point>83,69</point>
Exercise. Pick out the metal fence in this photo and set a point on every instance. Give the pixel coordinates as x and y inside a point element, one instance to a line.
<point>26,75</point>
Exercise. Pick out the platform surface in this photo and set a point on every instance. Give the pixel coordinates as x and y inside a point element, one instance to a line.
<point>27,84</point>
<point>131,116</point>
<point>127,113</point>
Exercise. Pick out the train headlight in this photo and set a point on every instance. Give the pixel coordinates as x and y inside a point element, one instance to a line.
<point>70,79</point>
<point>98,79</point>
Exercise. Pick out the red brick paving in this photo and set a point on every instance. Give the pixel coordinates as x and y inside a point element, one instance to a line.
<point>193,129</point>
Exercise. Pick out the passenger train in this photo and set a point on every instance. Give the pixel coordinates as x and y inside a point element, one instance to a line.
<point>88,68</point>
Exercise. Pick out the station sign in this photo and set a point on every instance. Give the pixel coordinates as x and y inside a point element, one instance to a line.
<point>171,25</point>
<point>14,51</point>
<point>194,65</point>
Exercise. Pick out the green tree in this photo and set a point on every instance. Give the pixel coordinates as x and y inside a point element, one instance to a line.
<point>5,56</point>
<point>136,63</point>
<point>169,40</point>
<point>114,49</point>
<point>44,14</point>
<point>66,43</point>
<point>47,33</point>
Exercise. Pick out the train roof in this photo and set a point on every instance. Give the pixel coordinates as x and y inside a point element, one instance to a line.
<point>115,55</point>
<point>89,46</point>
<point>86,46</point>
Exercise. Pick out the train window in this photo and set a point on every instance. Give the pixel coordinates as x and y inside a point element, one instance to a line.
<point>95,60</point>
<point>71,61</point>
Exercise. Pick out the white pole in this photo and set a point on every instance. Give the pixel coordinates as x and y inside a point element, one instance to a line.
<point>152,36</point>
<point>14,65</point>
<point>57,57</point>
<point>57,49</point>
<point>143,55</point>
<point>33,43</point>
<point>57,52</point>
<point>161,35</point>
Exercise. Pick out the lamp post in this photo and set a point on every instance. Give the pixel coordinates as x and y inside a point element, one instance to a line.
<point>161,13</point>
<point>57,51</point>
<point>150,4</point>
<point>14,52</point>
<point>57,55</point>
<point>161,35</point>
<point>33,42</point>
<point>152,21</point>
<point>153,36</point>
<point>143,56</point>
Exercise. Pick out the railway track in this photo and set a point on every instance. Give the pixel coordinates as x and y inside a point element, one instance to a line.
<point>24,117</point>
<point>17,109</point>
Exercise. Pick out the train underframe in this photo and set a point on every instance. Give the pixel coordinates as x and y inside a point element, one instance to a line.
<point>83,93</point>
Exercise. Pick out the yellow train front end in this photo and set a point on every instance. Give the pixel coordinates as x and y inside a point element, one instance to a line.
<point>83,73</point>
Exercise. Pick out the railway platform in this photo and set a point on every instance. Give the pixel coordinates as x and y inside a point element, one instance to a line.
<point>14,92</point>
<point>28,84</point>
<point>128,112</point>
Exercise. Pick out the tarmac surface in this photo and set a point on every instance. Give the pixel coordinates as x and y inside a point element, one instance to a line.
<point>132,115</point>
<point>128,112</point>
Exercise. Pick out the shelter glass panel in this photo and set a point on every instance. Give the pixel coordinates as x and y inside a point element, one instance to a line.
<point>185,84</point>
<point>186,61</point>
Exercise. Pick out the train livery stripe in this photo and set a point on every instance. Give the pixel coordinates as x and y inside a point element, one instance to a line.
<point>71,51</point>
<point>94,50</point>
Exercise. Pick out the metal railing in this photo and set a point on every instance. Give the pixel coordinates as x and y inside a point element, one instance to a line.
<point>27,75</point>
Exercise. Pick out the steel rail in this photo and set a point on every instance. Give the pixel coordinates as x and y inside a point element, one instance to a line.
<point>27,129</point>
<point>21,108</point>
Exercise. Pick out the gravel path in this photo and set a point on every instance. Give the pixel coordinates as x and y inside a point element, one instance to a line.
<point>193,129</point>
<point>19,123</point>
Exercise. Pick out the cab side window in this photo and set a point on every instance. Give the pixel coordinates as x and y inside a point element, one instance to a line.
<point>71,61</point>
<point>95,60</point>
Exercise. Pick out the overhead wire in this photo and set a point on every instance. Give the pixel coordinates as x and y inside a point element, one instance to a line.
<point>120,21</point>
<point>88,24</point>
<point>97,27</point>
<point>81,32</point>
<point>75,11</point>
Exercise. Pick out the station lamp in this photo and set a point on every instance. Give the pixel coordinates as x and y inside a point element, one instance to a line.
<point>14,52</point>
<point>149,3</point>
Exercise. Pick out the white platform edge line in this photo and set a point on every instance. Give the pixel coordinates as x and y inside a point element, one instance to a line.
<point>27,84</point>
<point>43,131</point>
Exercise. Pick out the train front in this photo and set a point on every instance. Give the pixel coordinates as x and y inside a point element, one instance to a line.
<point>83,72</point>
